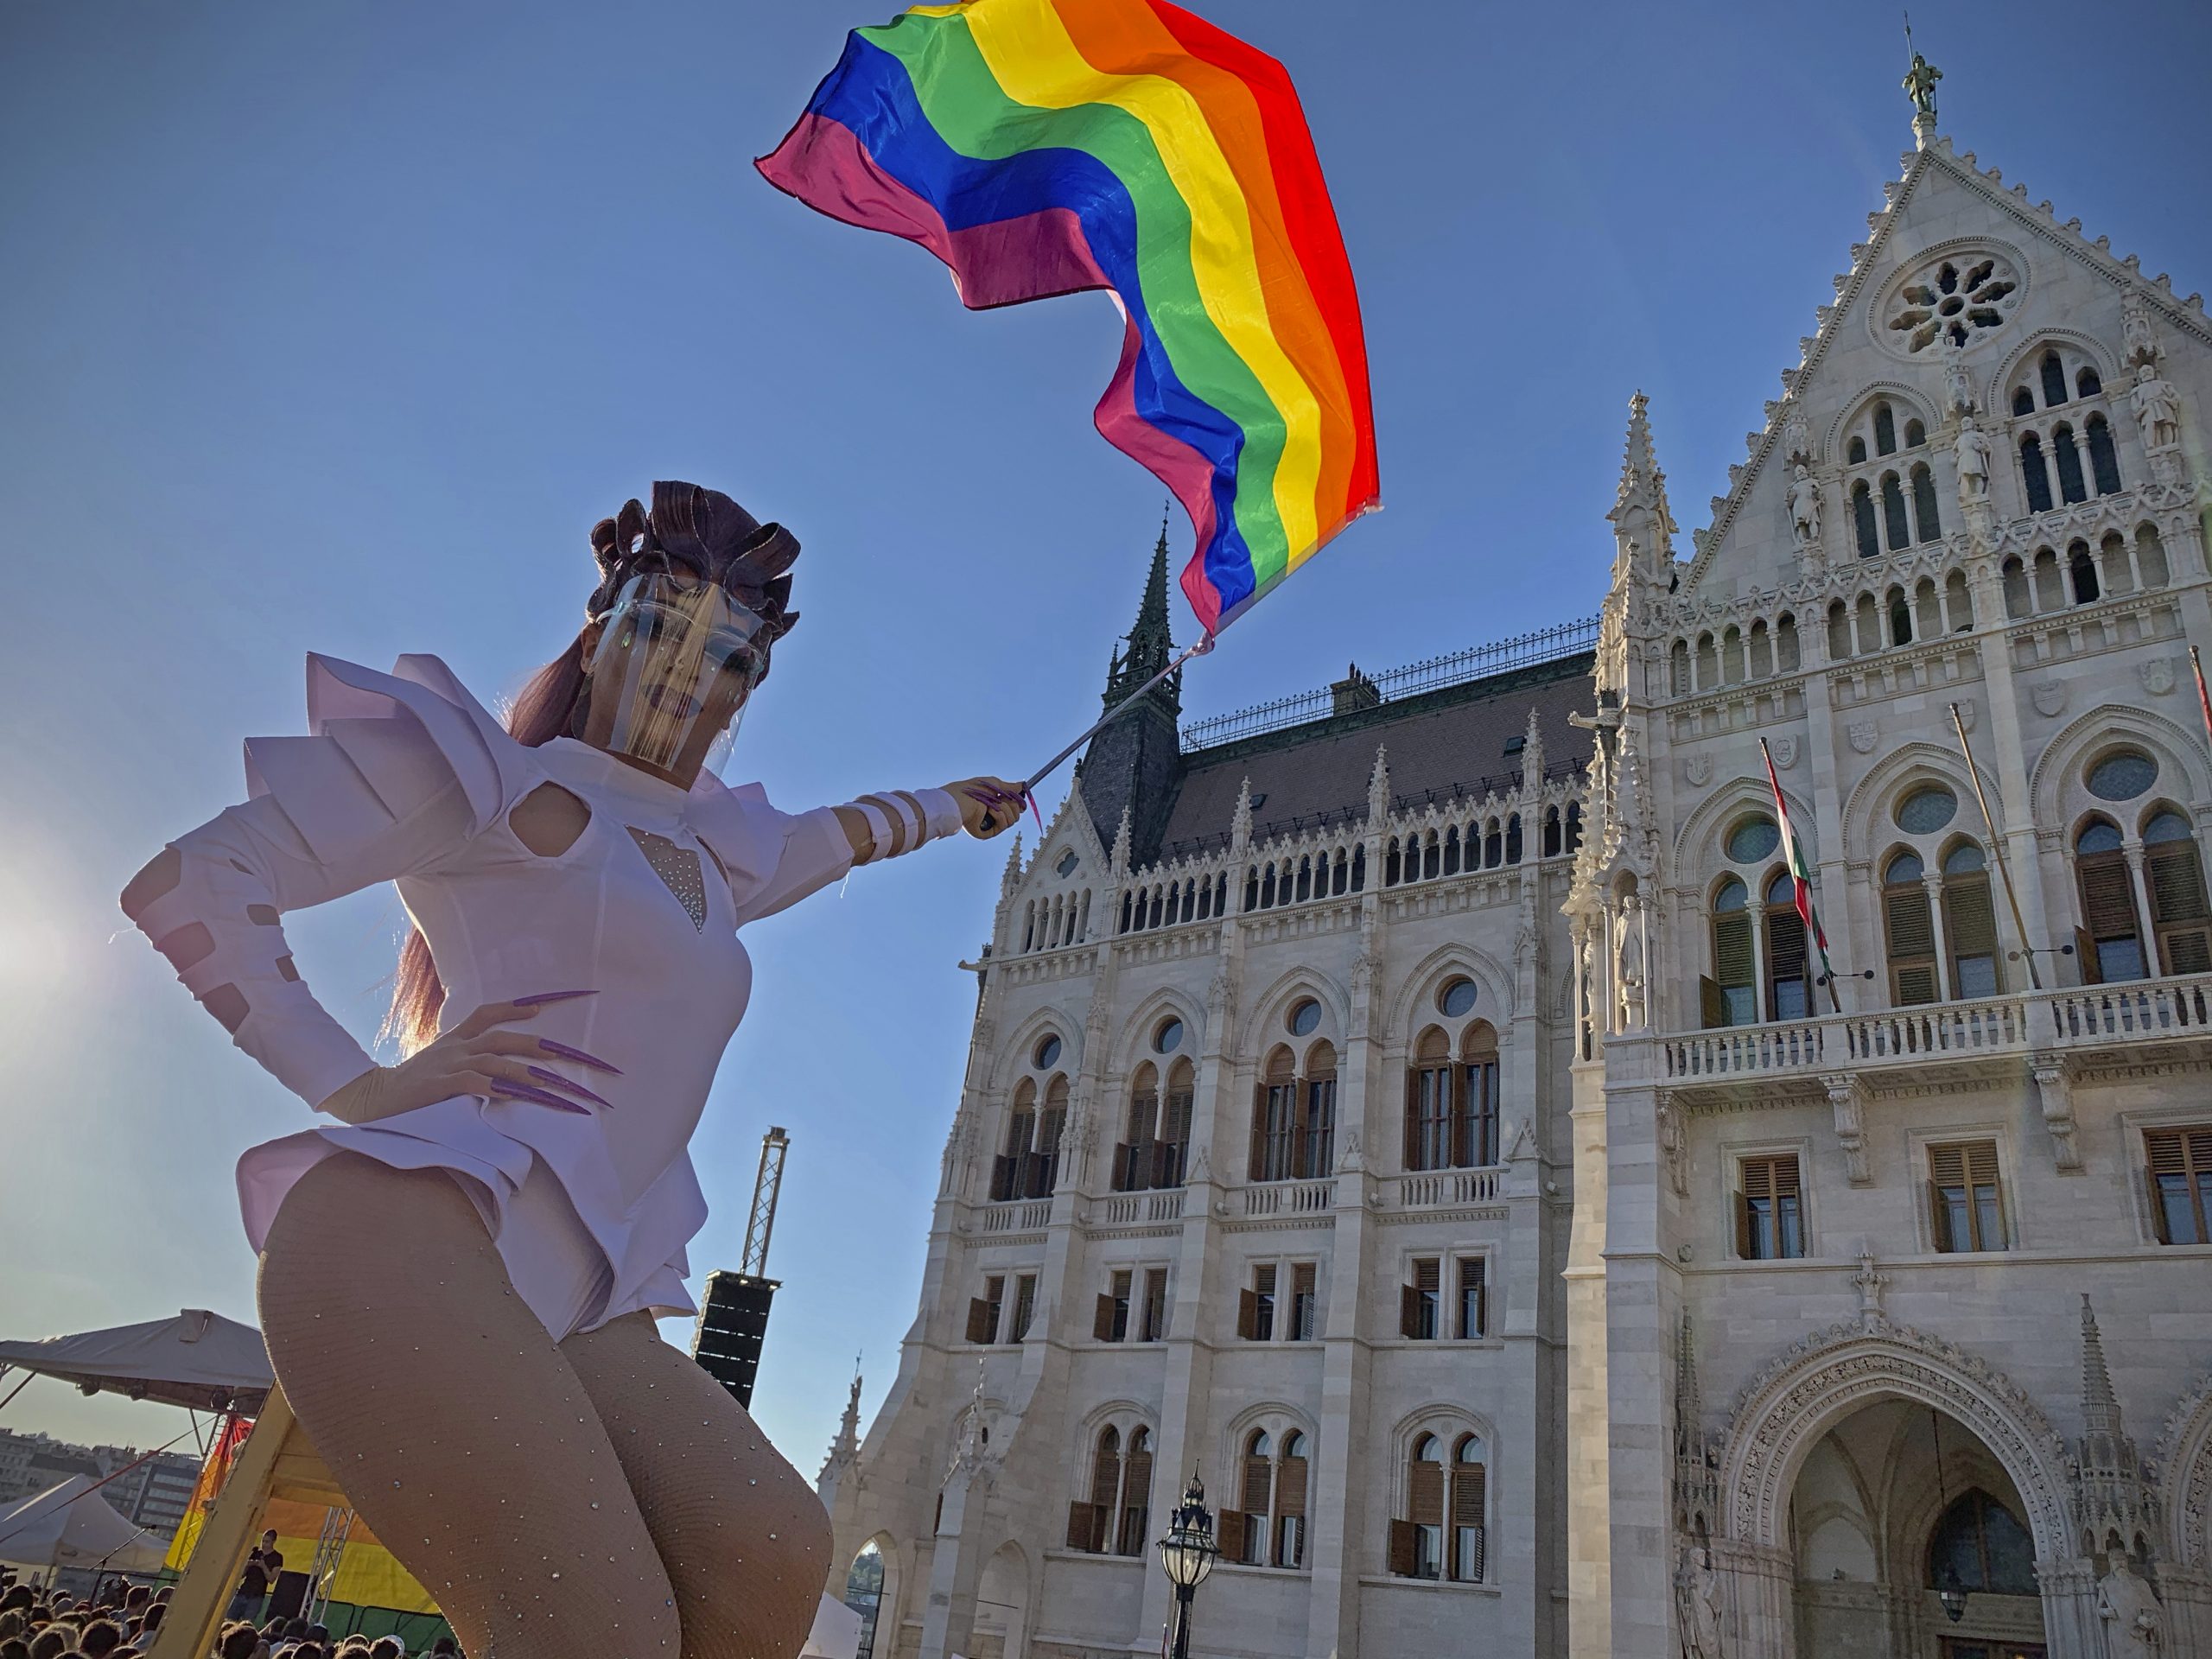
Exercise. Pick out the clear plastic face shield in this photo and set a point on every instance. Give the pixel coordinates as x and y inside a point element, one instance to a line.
<point>675,660</point>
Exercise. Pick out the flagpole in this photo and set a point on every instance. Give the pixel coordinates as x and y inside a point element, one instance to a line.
<point>1800,882</point>
<point>1203,646</point>
<point>2204,697</point>
<point>1996,847</point>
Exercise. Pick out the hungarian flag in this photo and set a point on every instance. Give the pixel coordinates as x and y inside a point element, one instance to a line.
<point>1801,877</point>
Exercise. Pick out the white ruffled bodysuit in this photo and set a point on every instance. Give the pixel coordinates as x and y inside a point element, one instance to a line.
<point>406,778</point>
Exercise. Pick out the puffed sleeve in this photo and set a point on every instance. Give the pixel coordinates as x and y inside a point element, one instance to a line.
<point>395,778</point>
<point>812,851</point>
<point>772,859</point>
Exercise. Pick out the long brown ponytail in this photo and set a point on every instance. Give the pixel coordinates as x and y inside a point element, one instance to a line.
<point>539,714</point>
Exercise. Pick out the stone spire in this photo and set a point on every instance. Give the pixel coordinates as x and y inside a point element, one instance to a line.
<point>845,1450</point>
<point>1697,1475</point>
<point>1532,758</point>
<point>1011,876</point>
<point>1378,788</point>
<point>2108,1474</point>
<point>1644,524</point>
<point>1131,766</point>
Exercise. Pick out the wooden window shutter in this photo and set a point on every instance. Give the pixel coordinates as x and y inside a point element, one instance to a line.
<point>1785,946</point>
<point>1137,1485</point>
<point>1712,1002</point>
<point>1424,1494</point>
<point>1253,1498</point>
<point>1732,949</point>
<point>1404,1551</point>
<point>2107,897</point>
<point>1785,1175</point>
<point>1468,1483</point>
<point>2165,1156</point>
<point>2177,883</point>
<point>1229,1534</point>
<point>1912,944</point>
<point>2085,953</point>
<point>1259,1161</point>
<point>1981,1162</point>
<point>1083,1526</point>
<point>1102,1320</point>
<point>1408,1310</point>
<point>1428,1274</point>
<point>1947,1165</point>
<point>1972,919</point>
<point>979,1319</point>
<point>1248,1315</point>
<point>1413,1117</point>
<point>1290,1487</point>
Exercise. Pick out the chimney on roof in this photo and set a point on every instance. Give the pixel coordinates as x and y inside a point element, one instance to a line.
<point>1353,692</point>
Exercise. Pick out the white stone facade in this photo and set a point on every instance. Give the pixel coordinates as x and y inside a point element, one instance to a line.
<point>1685,1453</point>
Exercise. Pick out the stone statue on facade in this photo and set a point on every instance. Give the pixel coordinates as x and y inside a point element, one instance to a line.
<point>1958,385</point>
<point>1629,961</point>
<point>1804,504</point>
<point>1972,453</point>
<point>1697,1605</point>
<point>1920,81</point>
<point>2158,410</point>
<point>2134,1620</point>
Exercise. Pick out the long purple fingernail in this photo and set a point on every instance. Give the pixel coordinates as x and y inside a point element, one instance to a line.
<point>569,1083</point>
<point>524,1091</point>
<point>550,996</point>
<point>577,1055</point>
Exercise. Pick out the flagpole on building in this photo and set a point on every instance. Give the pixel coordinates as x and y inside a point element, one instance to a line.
<point>1800,878</point>
<point>1996,847</point>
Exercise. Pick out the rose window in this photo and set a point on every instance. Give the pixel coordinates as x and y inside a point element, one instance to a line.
<point>1959,297</point>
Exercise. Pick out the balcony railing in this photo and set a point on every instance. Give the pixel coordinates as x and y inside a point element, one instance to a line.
<point>1430,1189</point>
<point>2033,1021</point>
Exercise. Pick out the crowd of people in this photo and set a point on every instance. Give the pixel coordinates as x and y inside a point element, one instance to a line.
<point>119,1622</point>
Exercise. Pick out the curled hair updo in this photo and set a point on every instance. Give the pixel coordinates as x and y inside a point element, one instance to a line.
<point>698,531</point>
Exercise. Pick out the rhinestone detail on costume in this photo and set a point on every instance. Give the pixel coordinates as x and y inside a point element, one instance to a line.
<point>678,870</point>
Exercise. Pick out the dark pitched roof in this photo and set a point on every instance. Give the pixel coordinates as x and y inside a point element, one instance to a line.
<point>1441,743</point>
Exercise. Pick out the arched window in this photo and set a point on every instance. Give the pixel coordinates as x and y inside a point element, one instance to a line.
<point>1451,850</point>
<point>1493,846</point>
<point>2150,556</point>
<point>1970,922</point>
<point>1474,1117</point>
<point>1010,1168</point>
<point>1256,1486</point>
<point>2051,588</point>
<point>1839,632</point>
<point>1573,825</point>
<point>1786,658</point>
<point>2175,878</point>
<point>1274,1118</point>
<point>1431,863</point>
<point>2032,475</point>
<point>1911,932</point>
<point>1885,430</point>
<point>1855,451</point>
<point>1862,521</point>
<point>1958,603</point>
<point>1728,993</point>
<point>2104,460</point>
<point>1175,1123</point>
<point>1900,617</point>
<point>1469,1505</point>
<point>1731,655</point>
<point>2087,382</point>
<point>1290,1501</point>
<point>1513,839</point>
<point>2054,380</point>
<point>1914,434</point>
<point>1870,624</point>
<point>2109,943</point>
<point>1927,612</point>
<point>1678,669</point>
<point>1087,1522</point>
<point>1551,832</point>
<point>1135,1157</point>
<point>1132,1537</point>
<point>1762,653</point>
<point>1978,1544</point>
<point>1428,1102</point>
<point>1788,971</point>
<point>1417,1541</point>
<point>2081,573</point>
<point>2018,602</point>
<point>2024,401</point>
<point>1044,1163</point>
<point>2071,487</point>
<point>1316,1152</point>
<point>1926,518</point>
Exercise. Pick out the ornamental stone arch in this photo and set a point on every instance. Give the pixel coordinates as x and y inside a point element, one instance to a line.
<point>1270,1008</point>
<point>1124,1415</point>
<point>2028,354</point>
<point>1697,852</point>
<point>1273,1415</point>
<point>2183,1461</point>
<point>1413,1004</point>
<point>2056,787</point>
<point>1867,826</point>
<point>1906,401</point>
<point>1013,1061</point>
<point>1447,1423</point>
<point>1816,1383</point>
<point>1134,1047</point>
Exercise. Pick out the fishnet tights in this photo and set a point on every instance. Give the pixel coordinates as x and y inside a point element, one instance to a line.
<point>489,1461</point>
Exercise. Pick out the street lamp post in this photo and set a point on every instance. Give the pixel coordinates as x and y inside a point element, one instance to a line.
<point>1188,1551</point>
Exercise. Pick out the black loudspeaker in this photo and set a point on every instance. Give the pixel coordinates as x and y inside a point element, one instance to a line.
<point>733,1321</point>
<point>289,1597</point>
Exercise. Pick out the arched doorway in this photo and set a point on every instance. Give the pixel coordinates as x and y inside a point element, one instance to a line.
<point>1900,1515</point>
<point>1003,1607</point>
<point>872,1591</point>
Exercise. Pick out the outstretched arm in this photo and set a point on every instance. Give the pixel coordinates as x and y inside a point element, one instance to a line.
<point>885,826</point>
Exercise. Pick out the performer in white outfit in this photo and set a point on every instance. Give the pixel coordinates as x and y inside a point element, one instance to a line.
<point>460,1271</point>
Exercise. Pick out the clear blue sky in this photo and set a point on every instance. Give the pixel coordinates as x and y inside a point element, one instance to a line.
<point>336,327</point>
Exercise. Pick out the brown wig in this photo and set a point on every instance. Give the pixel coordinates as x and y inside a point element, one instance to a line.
<point>699,529</point>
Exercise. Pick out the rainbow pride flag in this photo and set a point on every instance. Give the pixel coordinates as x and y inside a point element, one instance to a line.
<point>1043,147</point>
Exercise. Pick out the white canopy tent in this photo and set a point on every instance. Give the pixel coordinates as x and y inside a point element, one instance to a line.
<point>199,1360</point>
<point>72,1525</point>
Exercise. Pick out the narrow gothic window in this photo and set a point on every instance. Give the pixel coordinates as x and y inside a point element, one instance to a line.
<point>1862,521</point>
<point>1855,451</point>
<point>1513,839</point>
<point>1469,1505</point>
<point>2088,382</point>
<point>1893,513</point>
<point>2082,571</point>
<point>2033,475</point>
<point>2108,943</point>
<point>1551,832</point>
<point>1914,434</point>
<point>2175,881</point>
<point>1885,430</point>
<point>1574,826</point>
<point>1912,930</point>
<point>1137,1495</point>
<point>2024,402</point>
<point>2104,461</point>
<point>1020,1131</point>
<point>2070,486</point>
<point>1428,1104</point>
<point>1316,1148</point>
<point>1133,1160</point>
<point>1969,922</point>
<point>2054,380</point>
<point>1417,1541</point>
<point>1474,1117</point>
<point>1789,970</point>
<point>1924,512</point>
<point>1726,994</point>
<point>2150,556</point>
<point>1290,1503</point>
<point>1274,1119</point>
<point>1253,1491</point>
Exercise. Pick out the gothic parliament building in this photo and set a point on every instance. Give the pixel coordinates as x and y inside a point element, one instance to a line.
<point>1421,1109</point>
